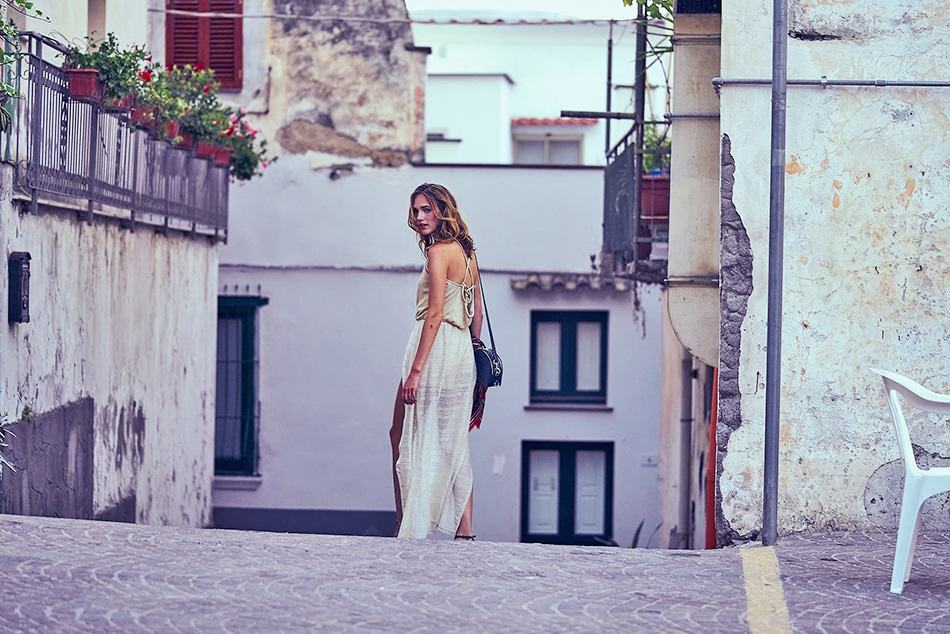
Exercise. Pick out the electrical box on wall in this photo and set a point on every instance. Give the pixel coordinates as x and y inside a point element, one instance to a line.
<point>19,270</point>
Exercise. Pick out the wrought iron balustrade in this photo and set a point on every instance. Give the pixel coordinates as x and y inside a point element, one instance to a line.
<point>636,208</point>
<point>64,149</point>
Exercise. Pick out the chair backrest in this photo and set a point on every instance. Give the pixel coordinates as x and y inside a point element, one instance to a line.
<point>916,394</point>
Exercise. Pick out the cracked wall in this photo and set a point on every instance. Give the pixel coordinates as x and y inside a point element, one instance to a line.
<point>122,328</point>
<point>735,262</point>
<point>345,92</point>
<point>866,264</point>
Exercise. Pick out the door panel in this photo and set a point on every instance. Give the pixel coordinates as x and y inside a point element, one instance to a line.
<point>567,492</point>
<point>543,492</point>
<point>590,492</point>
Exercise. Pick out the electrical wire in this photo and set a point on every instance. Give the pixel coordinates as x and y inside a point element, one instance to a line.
<point>356,18</point>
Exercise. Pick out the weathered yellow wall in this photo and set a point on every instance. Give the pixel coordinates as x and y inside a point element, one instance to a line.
<point>694,186</point>
<point>866,255</point>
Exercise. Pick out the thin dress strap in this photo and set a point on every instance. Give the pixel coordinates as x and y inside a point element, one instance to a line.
<point>468,265</point>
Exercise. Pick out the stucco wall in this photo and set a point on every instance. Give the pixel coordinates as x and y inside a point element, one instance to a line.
<point>554,67</point>
<point>331,347</point>
<point>335,329</point>
<point>68,20</point>
<point>550,218</point>
<point>474,110</point>
<point>128,320</point>
<point>866,268</point>
<point>330,91</point>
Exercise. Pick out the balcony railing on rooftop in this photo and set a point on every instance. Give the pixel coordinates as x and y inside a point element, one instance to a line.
<point>65,150</point>
<point>636,232</point>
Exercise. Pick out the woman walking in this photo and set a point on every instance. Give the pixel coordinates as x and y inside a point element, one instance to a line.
<point>432,475</point>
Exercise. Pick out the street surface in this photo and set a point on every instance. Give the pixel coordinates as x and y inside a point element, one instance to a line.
<point>72,575</point>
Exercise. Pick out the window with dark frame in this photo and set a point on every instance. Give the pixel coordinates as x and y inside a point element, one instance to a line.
<point>235,427</point>
<point>567,492</point>
<point>569,357</point>
<point>209,42</point>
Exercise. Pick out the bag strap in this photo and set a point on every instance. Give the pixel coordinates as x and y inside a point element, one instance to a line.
<point>484,302</point>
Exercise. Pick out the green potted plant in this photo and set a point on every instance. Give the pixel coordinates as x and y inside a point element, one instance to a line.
<point>82,80</point>
<point>248,156</point>
<point>118,69</point>
<point>145,108</point>
<point>157,109</point>
<point>202,115</point>
<point>207,127</point>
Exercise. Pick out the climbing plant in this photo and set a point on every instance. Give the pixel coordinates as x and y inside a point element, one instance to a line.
<point>655,9</point>
<point>10,53</point>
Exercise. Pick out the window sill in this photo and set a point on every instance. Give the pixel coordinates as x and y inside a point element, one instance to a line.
<point>568,407</point>
<point>237,483</point>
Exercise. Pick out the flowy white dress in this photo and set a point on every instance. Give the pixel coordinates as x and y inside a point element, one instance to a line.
<point>433,468</point>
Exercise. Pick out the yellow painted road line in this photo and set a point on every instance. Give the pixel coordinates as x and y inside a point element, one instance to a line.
<point>766,611</point>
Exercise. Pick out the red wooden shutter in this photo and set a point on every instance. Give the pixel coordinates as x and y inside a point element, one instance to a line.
<point>215,43</point>
<point>182,34</point>
<point>225,43</point>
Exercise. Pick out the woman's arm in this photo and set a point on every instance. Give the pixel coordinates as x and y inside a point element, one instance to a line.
<point>476,327</point>
<point>439,257</point>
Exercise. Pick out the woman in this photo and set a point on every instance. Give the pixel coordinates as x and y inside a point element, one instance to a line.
<point>432,475</point>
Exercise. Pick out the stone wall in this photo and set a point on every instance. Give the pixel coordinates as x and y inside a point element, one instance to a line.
<point>122,324</point>
<point>53,454</point>
<point>866,265</point>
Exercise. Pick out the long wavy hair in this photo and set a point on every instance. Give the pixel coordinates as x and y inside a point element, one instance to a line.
<point>451,227</point>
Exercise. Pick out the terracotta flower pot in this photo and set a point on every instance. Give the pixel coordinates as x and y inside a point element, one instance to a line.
<point>185,140</point>
<point>144,116</point>
<point>222,156</point>
<point>203,149</point>
<point>172,128</point>
<point>84,84</point>
<point>119,104</point>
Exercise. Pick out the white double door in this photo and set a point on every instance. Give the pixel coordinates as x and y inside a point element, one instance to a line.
<point>567,492</point>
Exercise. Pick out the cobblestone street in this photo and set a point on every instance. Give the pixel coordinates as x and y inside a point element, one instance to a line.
<point>70,575</point>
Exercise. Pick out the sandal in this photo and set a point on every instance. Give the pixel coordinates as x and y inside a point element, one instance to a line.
<point>468,538</point>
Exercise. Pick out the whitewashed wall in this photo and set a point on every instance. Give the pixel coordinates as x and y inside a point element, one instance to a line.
<point>332,337</point>
<point>474,106</point>
<point>866,264</point>
<point>554,68</point>
<point>128,319</point>
<point>68,20</point>
<point>524,219</point>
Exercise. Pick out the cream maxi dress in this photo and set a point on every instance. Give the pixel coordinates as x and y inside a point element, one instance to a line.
<point>434,472</point>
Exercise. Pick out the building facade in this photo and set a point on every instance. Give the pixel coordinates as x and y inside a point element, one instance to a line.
<point>326,278</point>
<point>107,363</point>
<point>865,264</point>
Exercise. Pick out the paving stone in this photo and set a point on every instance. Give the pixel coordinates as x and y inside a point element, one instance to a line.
<point>75,575</point>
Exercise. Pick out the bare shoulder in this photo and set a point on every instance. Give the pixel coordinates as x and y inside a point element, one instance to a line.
<point>439,255</point>
<point>439,251</point>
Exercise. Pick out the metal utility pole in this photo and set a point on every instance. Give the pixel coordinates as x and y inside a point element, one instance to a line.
<point>773,353</point>
<point>639,99</point>
<point>610,81</point>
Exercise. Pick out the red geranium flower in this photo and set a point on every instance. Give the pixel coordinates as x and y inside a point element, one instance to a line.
<point>146,76</point>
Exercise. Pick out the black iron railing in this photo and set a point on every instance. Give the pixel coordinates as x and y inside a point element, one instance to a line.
<point>64,148</point>
<point>636,207</point>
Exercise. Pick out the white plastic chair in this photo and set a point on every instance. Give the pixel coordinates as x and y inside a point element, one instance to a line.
<point>919,484</point>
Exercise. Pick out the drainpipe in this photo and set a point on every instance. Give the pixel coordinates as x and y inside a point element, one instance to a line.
<point>773,352</point>
<point>686,454</point>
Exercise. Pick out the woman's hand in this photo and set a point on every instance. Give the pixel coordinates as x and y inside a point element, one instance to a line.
<point>410,387</point>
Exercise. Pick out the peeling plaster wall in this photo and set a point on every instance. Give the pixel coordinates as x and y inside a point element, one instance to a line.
<point>333,92</point>
<point>128,321</point>
<point>346,92</point>
<point>866,264</point>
